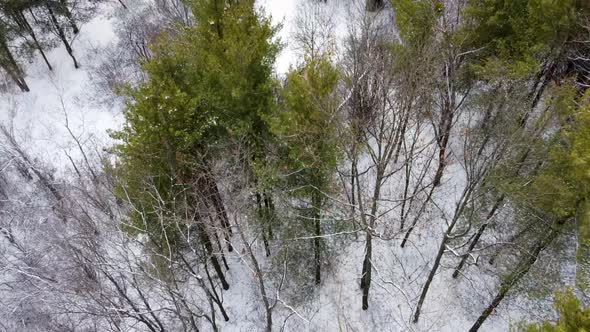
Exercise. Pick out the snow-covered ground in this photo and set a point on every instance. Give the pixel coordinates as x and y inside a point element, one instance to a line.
<point>39,117</point>
<point>67,95</point>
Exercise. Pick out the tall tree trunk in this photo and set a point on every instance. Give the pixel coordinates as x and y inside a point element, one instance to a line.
<point>211,293</point>
<point>367,270</point>
<point>41,50</point>
<point>446,123</point>
<point>512,239</point>
<point>442,140</point>
<point>139,315</point>
<point>439,255</point>
<point>219,207</point>
<point>146,303</point>
<point>516,174</point>
<point>219,246</point>
<point>478,235</point>
<point>62,35</point>
<point>522,268</point>
<point>215,197</point>
<point>544,77</point>
<point>354,178</point>
<point>214,295</point>
<point>405,197</point>
<point>262,220</point>
<point>259,275</point>
<point>369,225</point>
<point>69,16</point>
<point>204,237</point>
<point>407,206</point>
<point>33,15</point>
<point>23,23</point>
<point>407,175</point>
<point>270,213</point>
<point>417,217</point>
<point>401,134</point>
<point>221,250</point>
<point>12,67</point>
<point>441,250</point>
<point>20,82</point>
<point>317,243</point>
<point>218,23</point>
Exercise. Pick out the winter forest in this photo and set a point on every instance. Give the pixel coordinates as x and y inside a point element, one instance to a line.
<point>294,165</point>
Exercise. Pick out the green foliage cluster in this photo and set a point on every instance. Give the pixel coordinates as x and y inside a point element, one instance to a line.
<point>560,183</point>
<point>413,55</point>
<point>307,126</point>
<point>209,85</point>
<point>415,20</point>
<point>566,177</point>
<point>514,38</point>
<point>572,316</point>
<point>307,151</point>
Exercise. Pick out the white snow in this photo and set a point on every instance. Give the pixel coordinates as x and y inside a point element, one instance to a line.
<point>39,116</point>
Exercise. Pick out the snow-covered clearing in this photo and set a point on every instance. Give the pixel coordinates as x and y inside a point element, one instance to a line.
<point>65,95</point>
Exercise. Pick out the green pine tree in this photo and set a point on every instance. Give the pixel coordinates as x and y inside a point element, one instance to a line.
<point>306,130</point>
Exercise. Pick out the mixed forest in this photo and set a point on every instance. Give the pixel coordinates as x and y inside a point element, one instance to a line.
<point>422,165</point>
